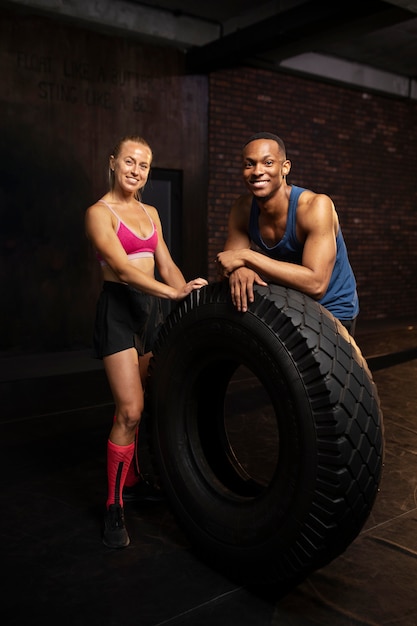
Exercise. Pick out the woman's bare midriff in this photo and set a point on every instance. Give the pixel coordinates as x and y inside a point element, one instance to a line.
<point>145,265</point>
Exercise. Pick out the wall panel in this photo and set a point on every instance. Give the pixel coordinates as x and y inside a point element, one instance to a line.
<point>67,95</point>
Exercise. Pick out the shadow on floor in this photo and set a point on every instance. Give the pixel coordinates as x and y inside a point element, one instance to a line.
<point>56,570</point>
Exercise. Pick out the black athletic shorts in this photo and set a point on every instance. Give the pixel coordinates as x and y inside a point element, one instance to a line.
<point>125,318</point>
<point>350,325</point>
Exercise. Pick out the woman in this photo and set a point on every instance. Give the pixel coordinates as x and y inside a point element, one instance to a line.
<point>129,243</point>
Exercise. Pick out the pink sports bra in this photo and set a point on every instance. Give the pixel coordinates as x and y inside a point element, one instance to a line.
<point>134,246</point>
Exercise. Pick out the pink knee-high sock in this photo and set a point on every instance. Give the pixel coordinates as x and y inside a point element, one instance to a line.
<point>133,472</point>
<point>118,462</point>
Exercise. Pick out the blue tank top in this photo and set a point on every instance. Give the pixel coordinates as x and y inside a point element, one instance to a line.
<point>341,297</point>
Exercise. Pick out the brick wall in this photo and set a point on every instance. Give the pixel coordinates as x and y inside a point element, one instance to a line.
<point>356,146</point>
<point>68,94</point>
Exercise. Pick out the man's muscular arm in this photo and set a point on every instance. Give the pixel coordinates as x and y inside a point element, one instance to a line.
<point>317,224</point>
<point>241,278</point>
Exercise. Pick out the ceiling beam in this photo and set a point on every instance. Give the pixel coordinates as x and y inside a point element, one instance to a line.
<point>295,29</point>
<point>120,16</point>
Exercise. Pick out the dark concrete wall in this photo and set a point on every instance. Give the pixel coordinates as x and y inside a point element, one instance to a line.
<point>66,96</point>
<point>357,146</point>
<point>68,93</point>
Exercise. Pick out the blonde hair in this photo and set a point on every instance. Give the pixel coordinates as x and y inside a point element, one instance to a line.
<point>116,151</point>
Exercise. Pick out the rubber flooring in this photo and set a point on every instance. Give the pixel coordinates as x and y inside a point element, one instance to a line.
<point>57,411</point>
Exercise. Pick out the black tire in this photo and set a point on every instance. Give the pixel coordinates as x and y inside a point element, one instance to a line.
<point>284,511</point>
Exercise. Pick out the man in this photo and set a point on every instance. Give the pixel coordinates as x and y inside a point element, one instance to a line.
<point>286,235</point>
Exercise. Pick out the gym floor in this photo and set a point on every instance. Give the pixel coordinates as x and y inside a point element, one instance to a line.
<point>57,412</point>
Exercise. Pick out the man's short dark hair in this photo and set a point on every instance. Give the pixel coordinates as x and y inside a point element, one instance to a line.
<point>279,141</point>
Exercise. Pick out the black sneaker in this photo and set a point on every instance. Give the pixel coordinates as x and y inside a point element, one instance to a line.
<point>115,533</point>
<point>141,491</point>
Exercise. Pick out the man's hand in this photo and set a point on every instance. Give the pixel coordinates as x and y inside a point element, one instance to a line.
<point>241,283</point>
<point>230,260</point>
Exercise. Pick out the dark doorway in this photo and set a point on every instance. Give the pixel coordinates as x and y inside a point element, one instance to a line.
<point>164,191</point>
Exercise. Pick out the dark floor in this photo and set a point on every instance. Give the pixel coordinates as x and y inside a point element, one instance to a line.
<point>56,416</point>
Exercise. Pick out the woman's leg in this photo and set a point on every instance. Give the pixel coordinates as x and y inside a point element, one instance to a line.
<point>123,374</point>
<point>143,367</point>
<point>133,474</point>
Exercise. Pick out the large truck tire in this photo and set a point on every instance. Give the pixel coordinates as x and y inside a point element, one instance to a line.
<point>266,431</point>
